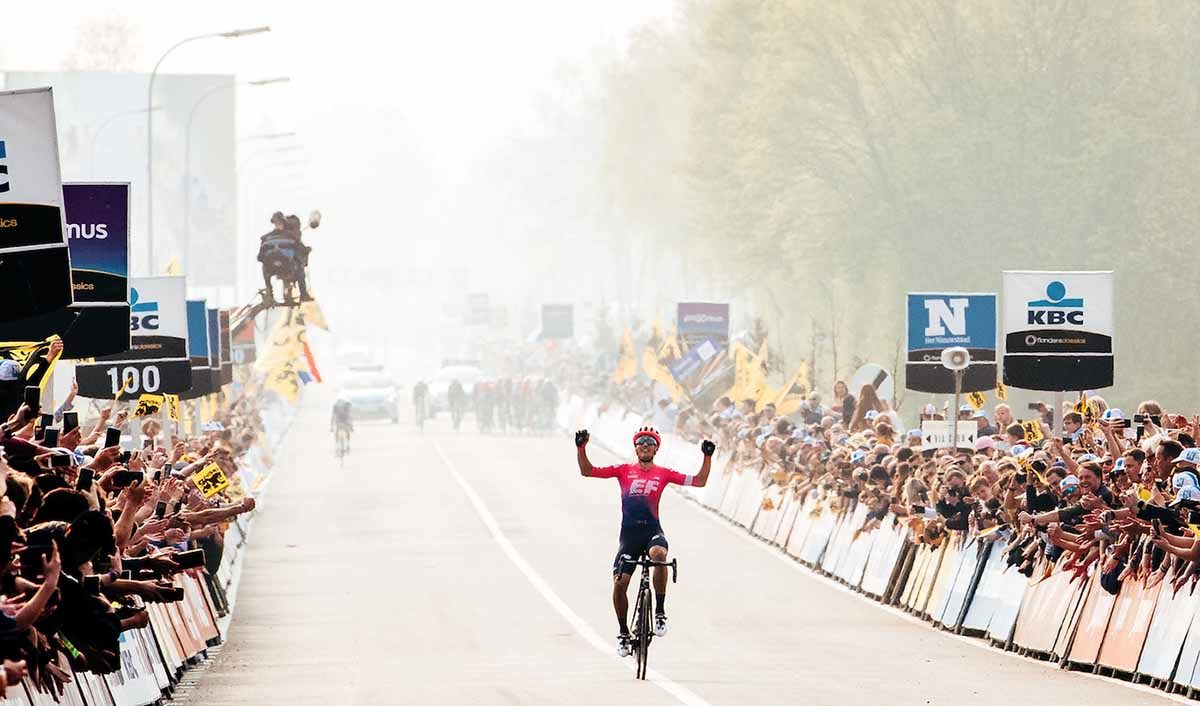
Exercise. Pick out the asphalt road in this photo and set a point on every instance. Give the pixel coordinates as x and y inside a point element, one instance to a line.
<point>455,568</point>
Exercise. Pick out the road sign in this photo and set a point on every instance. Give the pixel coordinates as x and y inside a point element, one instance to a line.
<point>935,434</point>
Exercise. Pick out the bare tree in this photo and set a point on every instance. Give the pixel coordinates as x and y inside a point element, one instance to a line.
<point>108,43</point>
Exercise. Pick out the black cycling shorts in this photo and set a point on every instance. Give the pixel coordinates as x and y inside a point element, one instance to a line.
<point>636,540</point>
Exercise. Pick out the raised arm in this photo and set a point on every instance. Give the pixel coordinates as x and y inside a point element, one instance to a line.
<point>707,448</point>
<point>581,440</point>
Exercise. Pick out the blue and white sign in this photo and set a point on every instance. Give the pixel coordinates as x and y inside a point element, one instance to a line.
<point>1058,330</point>
<point>937,321</point>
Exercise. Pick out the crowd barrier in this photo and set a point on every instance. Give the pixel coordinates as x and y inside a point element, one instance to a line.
<point>962,585</point>
<point>154,658</point>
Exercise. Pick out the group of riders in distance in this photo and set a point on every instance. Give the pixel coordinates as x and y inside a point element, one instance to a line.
<point>528,405</point>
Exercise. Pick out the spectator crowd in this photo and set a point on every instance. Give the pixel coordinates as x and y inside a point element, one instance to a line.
<point>96,517</point>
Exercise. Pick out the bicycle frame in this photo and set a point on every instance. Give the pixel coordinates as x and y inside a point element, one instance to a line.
<point>641,612</point>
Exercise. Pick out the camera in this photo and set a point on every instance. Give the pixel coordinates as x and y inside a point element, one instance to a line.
<point>1155,419</point>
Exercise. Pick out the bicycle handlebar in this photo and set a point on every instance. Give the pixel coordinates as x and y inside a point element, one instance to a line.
<point>674,564</point>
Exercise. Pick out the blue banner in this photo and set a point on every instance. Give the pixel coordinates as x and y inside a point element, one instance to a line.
<point>197,330</point>
<point>938,321</point>
<point>97,218</point>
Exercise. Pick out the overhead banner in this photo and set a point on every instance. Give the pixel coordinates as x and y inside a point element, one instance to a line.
<point>1058,330</point>
<point>937,321</point>
<point>558,321</point>
<point>697,321</point>
<point>35,267</point>
<point>198,351</point>
<point>156,362</point>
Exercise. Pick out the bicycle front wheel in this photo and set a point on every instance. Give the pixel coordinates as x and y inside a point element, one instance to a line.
<point>644,633</point>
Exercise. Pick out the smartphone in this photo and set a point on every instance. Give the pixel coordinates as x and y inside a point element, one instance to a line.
<point>51,438</point>
<point>1141,419</point>
<point>125,456</point>
<point>127,575</point>
<point>112,437</point>
<point>148,444</point>
<point>160,510</point>
<point>158,476</point>
<point>124,479</point>
<point>1193,517</point>
<point>1021,478</point>
<point>44,422</point>
<point>33,397</point>
<point>91,584</point>
<point>61,460</point>
<point>193,559</point>
<point>1068,438</point>
<point>70,421</point>
<point>918,509</point>
<point>178,507</point>
<point>173,594</point>
<point>84,482</point>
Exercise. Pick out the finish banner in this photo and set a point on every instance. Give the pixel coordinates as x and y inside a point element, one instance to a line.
<point>937,321</point>
<point>156,362</point>
<point>1058,330</point>
<point>35,270</point>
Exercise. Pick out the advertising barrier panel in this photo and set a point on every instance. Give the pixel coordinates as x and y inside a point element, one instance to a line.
<point>156,361</point>
<point>35,270</point>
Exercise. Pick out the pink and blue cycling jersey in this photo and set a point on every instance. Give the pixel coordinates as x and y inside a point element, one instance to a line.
<point>640,489</point>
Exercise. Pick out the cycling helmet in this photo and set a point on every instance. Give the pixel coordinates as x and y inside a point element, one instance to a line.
<point>647,431</point>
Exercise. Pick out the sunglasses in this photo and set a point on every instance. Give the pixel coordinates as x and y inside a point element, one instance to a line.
<point>645,441</point>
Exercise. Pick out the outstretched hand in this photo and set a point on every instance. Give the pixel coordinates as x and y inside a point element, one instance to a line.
<point>707,447</point>
<point>582,437</point>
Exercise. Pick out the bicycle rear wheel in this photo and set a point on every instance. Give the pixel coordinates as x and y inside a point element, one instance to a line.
<point>643,632</point>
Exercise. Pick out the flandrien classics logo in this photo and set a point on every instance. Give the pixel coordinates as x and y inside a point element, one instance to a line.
<point>702,318</point>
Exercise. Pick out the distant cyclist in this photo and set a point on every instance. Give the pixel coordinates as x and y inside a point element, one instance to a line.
<point>420,400</point>
<point>456,399</point>
<point>342,420</point>
<point>642,484</point>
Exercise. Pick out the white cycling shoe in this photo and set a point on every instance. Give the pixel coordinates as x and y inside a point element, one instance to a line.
<point>660,624</point>
<point>624,645</point>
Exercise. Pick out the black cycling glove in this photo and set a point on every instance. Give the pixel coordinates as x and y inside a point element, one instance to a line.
<point>707,447</point>
<point>581,437</point>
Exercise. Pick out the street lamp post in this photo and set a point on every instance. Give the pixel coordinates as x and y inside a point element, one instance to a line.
<point>234,34</point>
<point>187,153</point>
<point>100,129</point>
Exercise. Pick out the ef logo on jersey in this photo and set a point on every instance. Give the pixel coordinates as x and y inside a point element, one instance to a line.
<point>642,486</point>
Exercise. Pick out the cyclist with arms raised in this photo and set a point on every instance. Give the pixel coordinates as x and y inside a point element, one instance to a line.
<point>642,484</point>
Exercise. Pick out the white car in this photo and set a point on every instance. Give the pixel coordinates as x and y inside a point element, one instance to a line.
<point>372,395</point>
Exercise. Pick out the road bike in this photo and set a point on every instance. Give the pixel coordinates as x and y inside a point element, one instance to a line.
<point>342,443</point>
<point>643,628</point>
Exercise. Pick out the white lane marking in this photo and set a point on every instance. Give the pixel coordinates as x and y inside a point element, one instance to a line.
<point>585,631</point>
<point>908,617</point>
